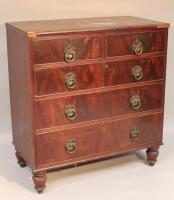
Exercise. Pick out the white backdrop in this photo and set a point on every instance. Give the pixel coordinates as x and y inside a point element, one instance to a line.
<point>20,10</point>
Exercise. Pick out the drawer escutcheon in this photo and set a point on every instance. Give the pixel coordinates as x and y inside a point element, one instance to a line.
<point>137,72</point>
<point>69,53</point>
<point>70,80</point>
<point>137,47</point>
<point>134,133</point>
<point>70,146</point>
<point>70,112</point>
<point>135,102</point>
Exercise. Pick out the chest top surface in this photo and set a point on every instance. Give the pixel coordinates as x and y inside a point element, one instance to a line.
<point>84,24</point>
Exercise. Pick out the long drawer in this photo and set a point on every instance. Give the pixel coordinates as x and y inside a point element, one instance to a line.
<point>72,78</point>
<point>78,108</point>
<point>73,144</point>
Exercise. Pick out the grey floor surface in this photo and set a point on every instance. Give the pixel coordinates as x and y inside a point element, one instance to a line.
<point>122,178</point>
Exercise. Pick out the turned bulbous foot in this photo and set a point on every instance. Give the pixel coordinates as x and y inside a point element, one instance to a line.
<point>20,160</point>
<point>152,154</point>
<point>39,179</point>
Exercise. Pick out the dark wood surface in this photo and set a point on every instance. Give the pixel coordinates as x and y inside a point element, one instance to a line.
<point>104,59</point>
<point>21,96</point>
<point>52,80</point>
<point>118,45</point>
<point>50,112</point>
<point>49,50</point>
<point>52,50</point>
<point>84,24</point>
<point>98,139</point>
<point>121,72</point>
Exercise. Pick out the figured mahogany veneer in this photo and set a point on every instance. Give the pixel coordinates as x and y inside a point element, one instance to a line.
<point>97,139</point>
<point>52,80</point>
<point>119,45</point>
<point>120,72</point>
<point>50,112</point>
<point>85,89</point>
<point>52,50</point>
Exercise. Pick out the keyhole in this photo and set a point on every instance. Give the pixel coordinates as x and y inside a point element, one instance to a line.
<point>105,94</point>
<point>106,66</point>
<point>103,128</point>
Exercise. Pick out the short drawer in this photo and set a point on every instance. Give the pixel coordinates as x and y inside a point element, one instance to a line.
<point>79,108</point>
<point>135,44</point>
<point>67,49</point>
<point>94,140</point>
<point>133,71</point>
<point>64,79</point>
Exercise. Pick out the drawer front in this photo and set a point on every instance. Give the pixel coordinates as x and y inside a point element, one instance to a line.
<point>67,49</point>
<point>69,145</point>
<point>132,71</point>
<point>64,79</point>
<point>72,78</point>
<point>68,110</point>
<point>136,99</point>
<point>135,44</point>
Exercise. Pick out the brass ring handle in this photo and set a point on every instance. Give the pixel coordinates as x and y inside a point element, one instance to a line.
<point>137,47</point>
<point>135,102</point>
<point>70,146</point>
<point>134,133</point>
<point>70,80</point>
<point>70,112</point>
<point>69,53</point>
<point>137,72</point>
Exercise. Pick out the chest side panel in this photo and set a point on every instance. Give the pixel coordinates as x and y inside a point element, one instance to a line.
<point>21,95</point>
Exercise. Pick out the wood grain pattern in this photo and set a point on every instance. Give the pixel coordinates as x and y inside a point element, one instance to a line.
<point>48,51</point>
<point>97,139</point>
<point>51,80</point>
<point>50,112</point>
<point>118,73</point>
<point>119,45</point>
<point>20,81</point>
<point>44,27</point>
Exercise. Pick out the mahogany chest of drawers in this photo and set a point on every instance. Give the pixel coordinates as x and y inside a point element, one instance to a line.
<point>85,89</point>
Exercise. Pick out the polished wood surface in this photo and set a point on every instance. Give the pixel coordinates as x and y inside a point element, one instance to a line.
<point>39,179</point>
<point>52,50</point>
<point>121,72</point>
<point>85,24</point>
<point>152,154</point>
<point>97,139</point>
<point>20,82</point>
<point>107,101</point>
<point>50,112</point>
<point>118,45</point>
<point>52,80</point>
